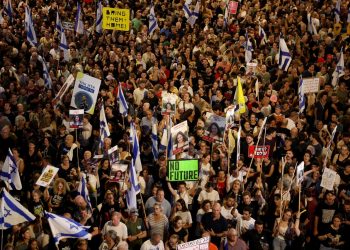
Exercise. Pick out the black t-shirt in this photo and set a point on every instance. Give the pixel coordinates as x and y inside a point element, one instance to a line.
<point>330,241</point>
<point>325,214</point>
<point>218,226</point>
<point>254,240</point>
<point>182,233</point>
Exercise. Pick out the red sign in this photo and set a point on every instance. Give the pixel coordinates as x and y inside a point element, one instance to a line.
<point>261,151</point>
<point>233,6</point>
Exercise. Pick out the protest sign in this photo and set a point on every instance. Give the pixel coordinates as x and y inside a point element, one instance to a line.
<point>261,151</point>
<point>182,170</point>
<point>113,155</point>
<point>115,19</point>
<point>47,176</point>
<point>200,244</point>
<point>85,92</point>
<point>169,104</point>
<point>214,128</point>
<point>76,118</point>
<point>179,134</point>
<point>118,172</point>
<point>233,6</point>
<point>300,173</point>
<point>328,179</point>
<point>68,26</point>
<point>251,68</point>
<point>311,85</point>
<point>63,90</point>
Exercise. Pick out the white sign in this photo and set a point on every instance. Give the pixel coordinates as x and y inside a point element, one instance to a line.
<point>328,179</point>
<point>85,92</point>
<point>251,68</point>
<point>200,244</point>
<point>311,85</point>
<point>76,118</point>
<point>47,176</point>
<point>63,89</point>
<point>179,134</point>
<point>68,25</point>
<point>300,173</point>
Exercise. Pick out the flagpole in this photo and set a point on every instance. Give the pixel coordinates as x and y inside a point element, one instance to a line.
<point>228,153</point>
<point>281,187</point>
<point>76,138</point>
<point>144,210</point>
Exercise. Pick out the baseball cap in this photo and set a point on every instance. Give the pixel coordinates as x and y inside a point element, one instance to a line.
<point>134,211</point>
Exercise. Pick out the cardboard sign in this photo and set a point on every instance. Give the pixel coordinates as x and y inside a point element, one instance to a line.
<point>328,179</point>
<point>300,173</point>
<point>68,26</point>
<point>85,92</point>
<point>182,170</point>
<point>251,68</point>
<point>311,85</point>
<point>214,128</point>
<point>76,118</point>
<point>47,176</point>
<point>67,84</point>
<point>179,134</point>
<point>115,19</point>
<point>261,151</point>
<point>233,6</point>
<point>200,244</point>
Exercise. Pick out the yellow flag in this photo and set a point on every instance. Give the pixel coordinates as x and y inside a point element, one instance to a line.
<point>240,97</point>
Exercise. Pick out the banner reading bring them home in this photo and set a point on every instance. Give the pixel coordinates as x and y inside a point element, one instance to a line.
<point>115,19</point>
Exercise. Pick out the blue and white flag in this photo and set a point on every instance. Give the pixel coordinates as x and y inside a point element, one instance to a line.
<point>154,139</point>
<point>186,8</point>
<point>301,96</point>
<point>12,212</point>
<point>58,27</point>
<point>164,140</point>
<point>29,27</point>
<point>337,11</point>
<point>153,25</point>
<point>134,189</point>
<point>63,228</point>
<point>46,75</point>
<point>8,9</point>
<point>248,49</point>
<point>284,57</point>
<point>83,191</point>
<point>9,172</point>
<point>311,28</point>
<point>79,25</point>
<point>104,130</point>
<point>226,16</point>
<point>194,15</point>
<point>123,105</point>
<point>64,46</point>
<point>339,69</point>
<point>262,35</point>
<point>136,160</point>
<point>99,17</point>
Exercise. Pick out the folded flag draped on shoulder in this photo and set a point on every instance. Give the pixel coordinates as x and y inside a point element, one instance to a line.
<point>63,228</point>
<point>194,15</point>
<point>8,9</point>
<point>104,130</point>
<point>154,139</point>
<point>83,191</point>
<point>9,172</point>
<point>248,49</point>
<point>29,27</point>
<point>12,212</point>
<point>58,27</point>
<point>64,46</point>
<point>99,17</point>
<point>186,8</point>
<point>339,69</point>
<point>79,25</point>
<point>284,57</point>
<point>153,25</point>
<point>337,11</point>
<point>301,96</point>
<point>123,105</point>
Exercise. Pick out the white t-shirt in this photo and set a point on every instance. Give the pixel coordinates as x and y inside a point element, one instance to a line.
<point>213,196</point>
<point>147,245</point>
<point>121,229</point>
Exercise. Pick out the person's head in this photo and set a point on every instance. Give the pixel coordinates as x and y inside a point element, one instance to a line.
<point>181,205</point>
<point>330,197</point>
<point>230,201</point>
<point>173,241</point>
<point>116,216</point>
<point>232,235</point>
<point>287,215</point>
<point>59,186</point>
<point>206,206</point>
<point>155,238</point>
<point>259,226</point>
<point>25,234</point>
<point>177,222</point>
<point>160,195</point>
<point>216,209</point>
<point>214,129</point>
<point>157,208</point>
<point>337,220</point>
<point>247,198</point>
<point>33,244</point>
<point>111,237</point>
<point>69,140</point>
<point>247,213</point>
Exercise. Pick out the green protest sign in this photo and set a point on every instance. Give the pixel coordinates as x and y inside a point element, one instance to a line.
<point>182,170</point>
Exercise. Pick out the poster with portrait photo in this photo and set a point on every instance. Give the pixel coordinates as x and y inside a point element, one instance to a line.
<point>113,155</point>
<point>179,135</point>
<point>118,171</point>
<point>76,118</point>
<point>169,104</point>
<point>214,128</point>
<point>300,173</point>
<point>232,116</point>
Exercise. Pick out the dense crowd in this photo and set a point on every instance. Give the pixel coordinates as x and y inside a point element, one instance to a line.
<point>239,202</point>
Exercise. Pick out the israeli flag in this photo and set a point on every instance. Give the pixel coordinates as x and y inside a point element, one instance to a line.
<point>186,8</point>
<point>64,46</point>
<point>134,189</point>
<point>104,130</point>
<point>9,172</point>
<point>12,212</point>
<point>63,228</point>
<point>339,69</point>
<point>194,15</point>
<point>153,25</point>
<point>83,191</point>
<point>8,9</point>
<point>46,75</point>
<point>248,49</point>
<point>29,27</point>
<point>262,35</point>
<point>136,160</point>
<point>154,139</point>
<point>99,17</point>
<point>79,25</point>
<point>337,11</point>
<point>164,141</point>
<point>284,57</point>
<point>58,26</point>
<point>123,105</point>
<point>301,96</point>
<point>311,28</point>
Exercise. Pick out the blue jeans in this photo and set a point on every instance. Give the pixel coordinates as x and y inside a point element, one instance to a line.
<point>279,244</point>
